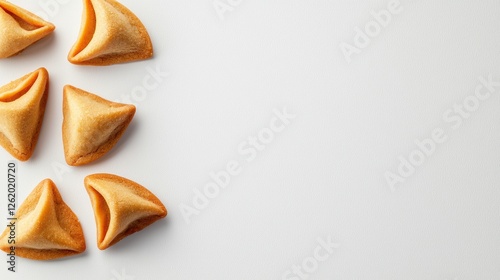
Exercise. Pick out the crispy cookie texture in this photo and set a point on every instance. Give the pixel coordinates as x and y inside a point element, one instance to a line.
<point>91,125</point>
<point>22,107</point>
<point>109,34</point>
<point>19,29</point>
<point>121,207</point>
<point>46,228</point>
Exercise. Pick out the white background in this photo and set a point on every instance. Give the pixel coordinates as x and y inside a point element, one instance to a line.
<point>322,176</point>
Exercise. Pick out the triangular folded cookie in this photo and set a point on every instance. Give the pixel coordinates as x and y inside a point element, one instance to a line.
<point>22,107</point>
<point>91,125</point>
<point>19,29</point>
<point>121,207</point>
<point>110,33</point>
<point>45,228</point>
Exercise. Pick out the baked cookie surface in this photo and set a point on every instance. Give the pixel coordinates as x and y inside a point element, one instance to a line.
<point>19,29</point>
<point>46,228</point>
<point>109,34</point>
<point>121,207</point>
<point>22,107</point>
<point>91,125</point>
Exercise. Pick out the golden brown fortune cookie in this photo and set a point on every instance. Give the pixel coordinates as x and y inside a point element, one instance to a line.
<point>19,29</point>
<point>109,34</point>
<point>22,107</point>
<point>121,207</point>
<point>45,228</point>
<point>91,125</point>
